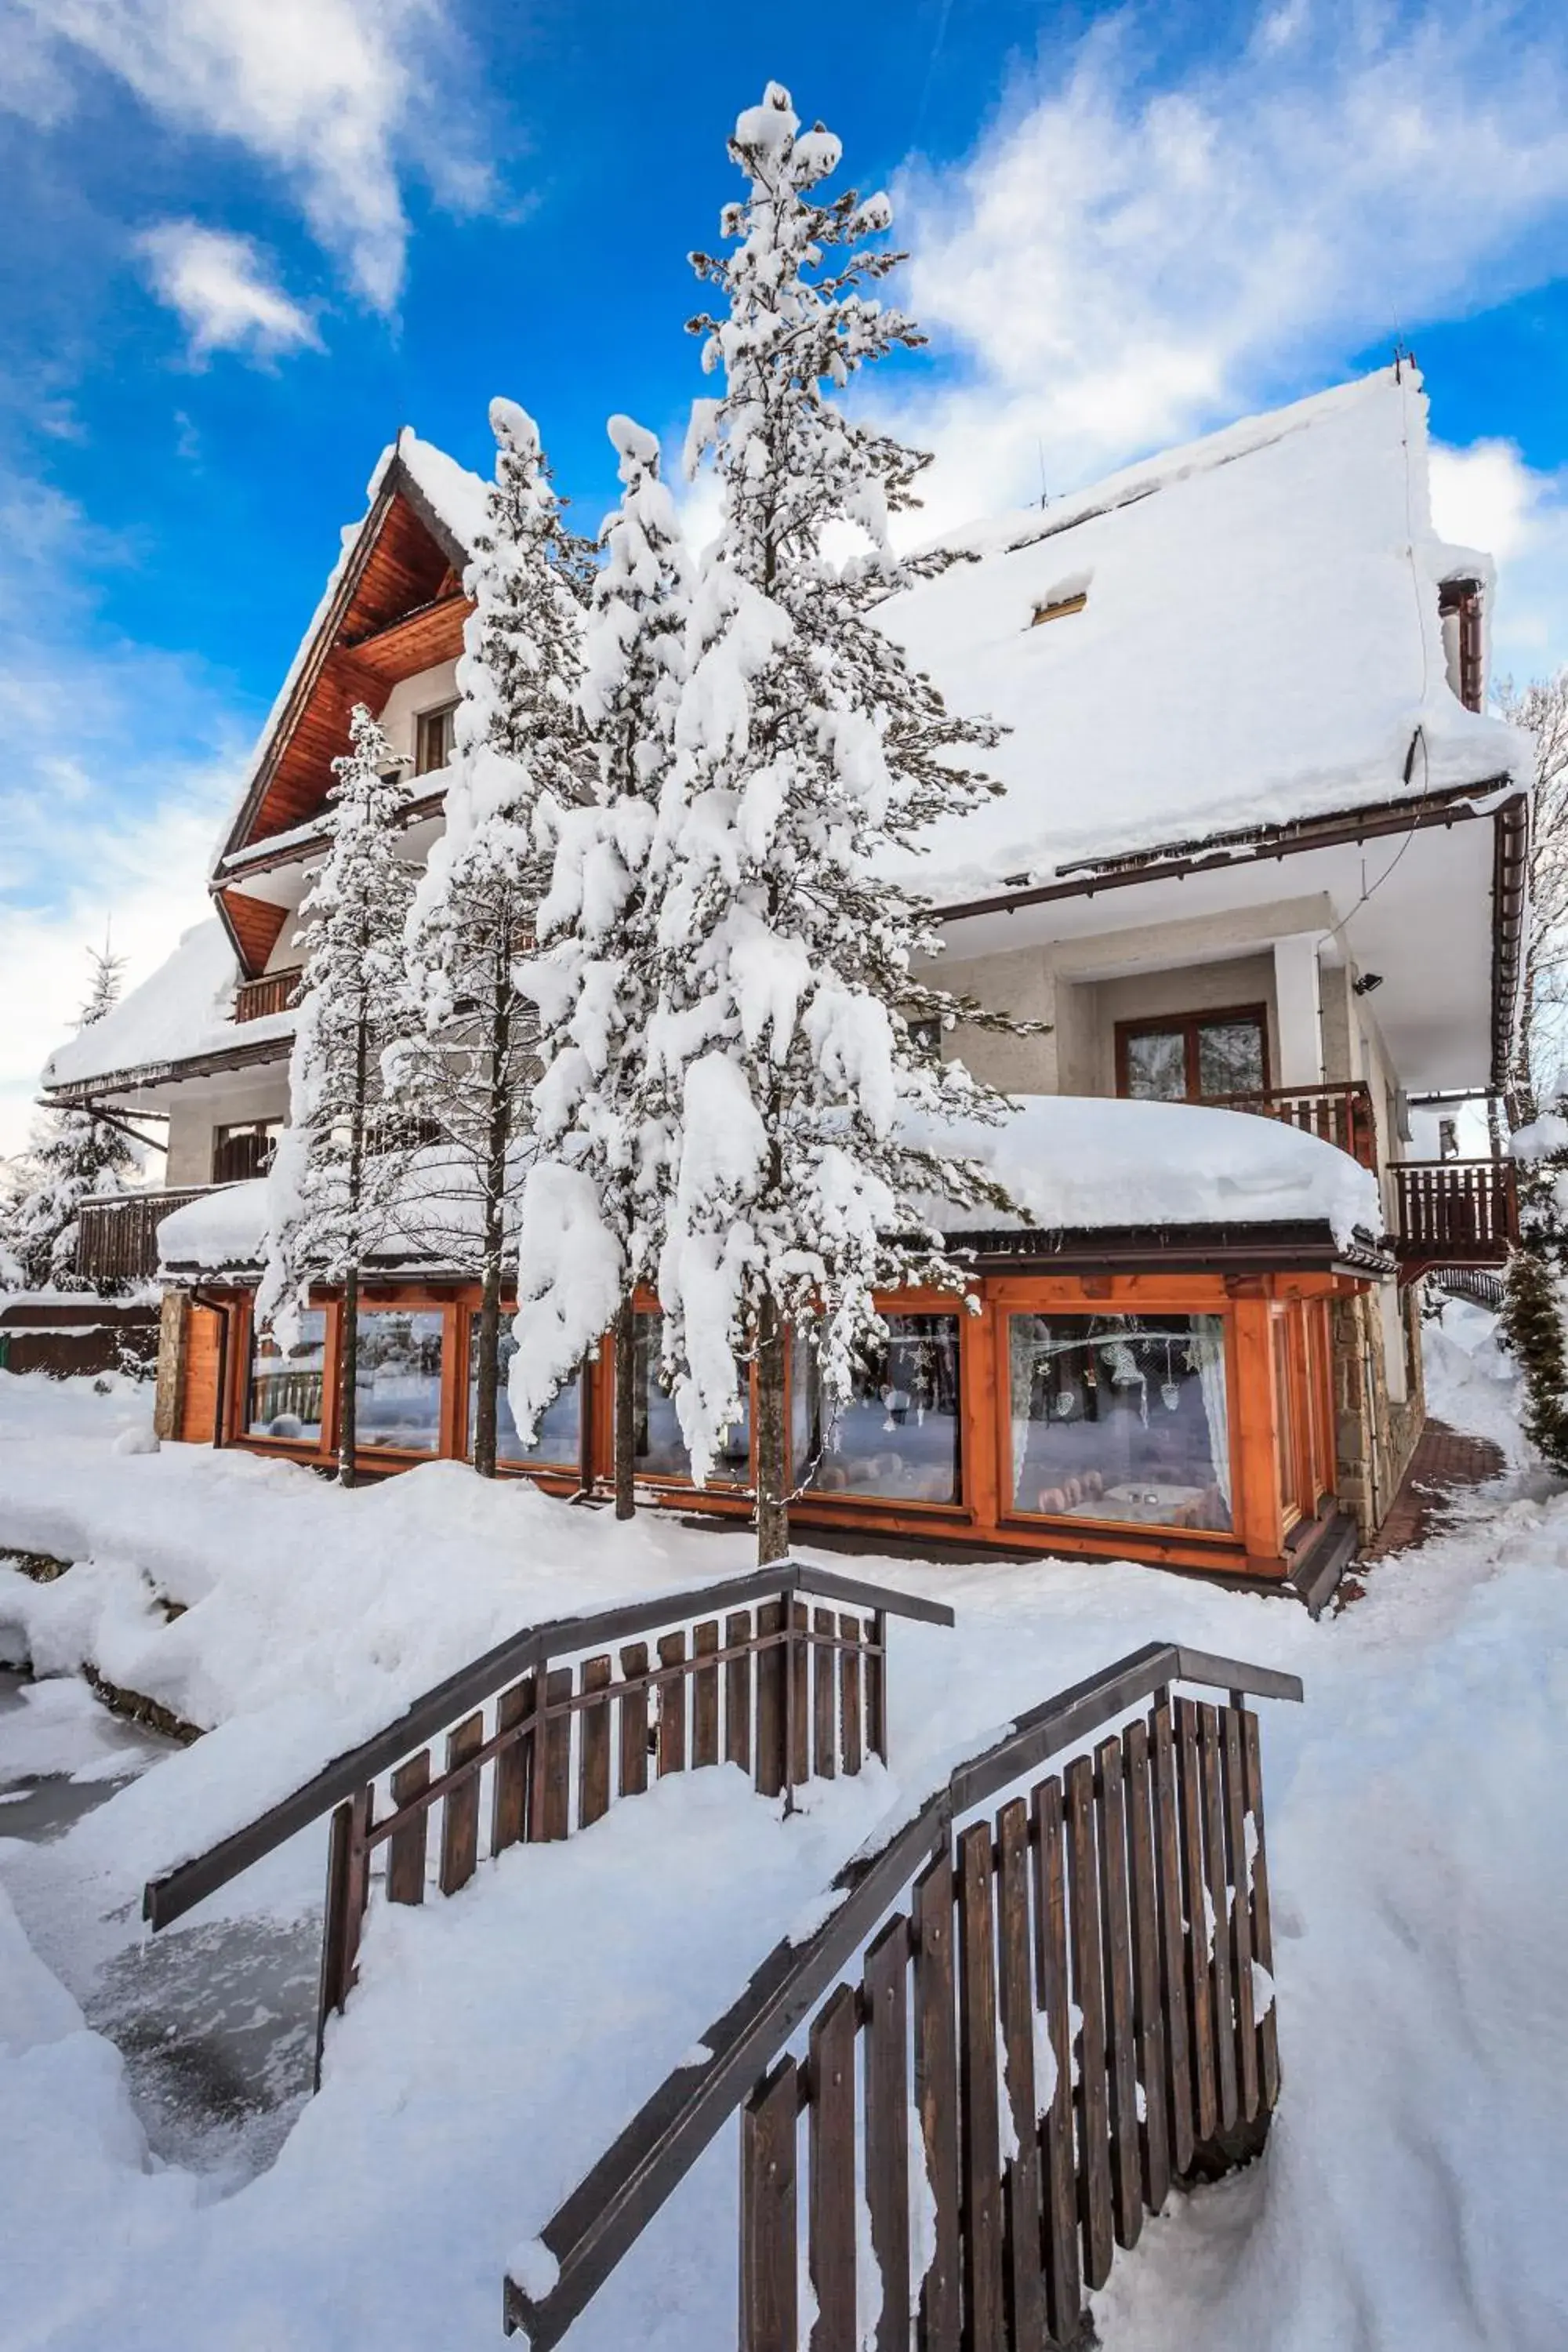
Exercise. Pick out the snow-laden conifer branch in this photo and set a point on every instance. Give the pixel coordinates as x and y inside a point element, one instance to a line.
<point>72,1156</point>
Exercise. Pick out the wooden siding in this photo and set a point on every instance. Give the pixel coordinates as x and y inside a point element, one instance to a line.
<point>421,640</point>
<point>198,1411</point>
<point>254,925</point>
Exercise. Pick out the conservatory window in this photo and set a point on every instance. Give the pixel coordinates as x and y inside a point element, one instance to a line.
<point>897,1435</point>
<point>560,1438</point>
<point>397,1378</point>
<point>1120,1417</point>
<point>658,1449</point>
<point>285,1386</point>
<point>1194,1057</point>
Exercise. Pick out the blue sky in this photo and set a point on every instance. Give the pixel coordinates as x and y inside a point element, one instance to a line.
<point>245,239</point>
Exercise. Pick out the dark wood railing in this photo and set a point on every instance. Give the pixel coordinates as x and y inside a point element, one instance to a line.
<point>117,1238</point>
<point>1455,1212</point>
<point>1097,1954</point>
<point>273,992</point>
<point>1339,1114</point>
<point>763,1682</point>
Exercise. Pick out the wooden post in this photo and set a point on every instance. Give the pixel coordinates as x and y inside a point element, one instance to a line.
<point>769,2293</point>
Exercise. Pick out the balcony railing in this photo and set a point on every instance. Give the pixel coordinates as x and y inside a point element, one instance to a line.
<point>117,1238</point>
<point>1339,1114</point>
<point>1455,1212</point>
<point>273,992</point>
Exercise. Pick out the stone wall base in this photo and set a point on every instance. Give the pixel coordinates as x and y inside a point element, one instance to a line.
<point>1374,1436</point>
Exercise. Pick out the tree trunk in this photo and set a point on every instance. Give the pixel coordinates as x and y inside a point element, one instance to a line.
<point>626,1409</point>
<point>773,1437</point>
<point>500,1135</point>
<point>348,1381</point>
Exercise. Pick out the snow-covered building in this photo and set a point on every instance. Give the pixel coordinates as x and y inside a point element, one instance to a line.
<point>1259,867</point>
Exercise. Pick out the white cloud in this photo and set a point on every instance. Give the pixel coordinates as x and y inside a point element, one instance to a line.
<point>331,94</point>
<point>1487,497</point>
<point>1119,266</point>
<point>222,289</point>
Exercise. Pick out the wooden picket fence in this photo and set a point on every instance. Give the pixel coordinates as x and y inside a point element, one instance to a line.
<point>567,1718</point>
<point>1068,1998</point>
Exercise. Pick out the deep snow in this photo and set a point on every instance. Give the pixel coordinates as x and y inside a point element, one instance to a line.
<point>1410,2193</point>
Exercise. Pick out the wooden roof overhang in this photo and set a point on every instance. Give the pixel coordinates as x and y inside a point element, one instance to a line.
<point>1499,797</point>
<point>1300,1247</point>
<point>397,608</point>
<point>85,1093</point>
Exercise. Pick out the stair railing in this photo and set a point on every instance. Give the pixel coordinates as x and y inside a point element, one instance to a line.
<point>1078,1989</point>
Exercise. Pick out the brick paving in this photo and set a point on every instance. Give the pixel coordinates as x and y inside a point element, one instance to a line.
<point>1444,1461</point>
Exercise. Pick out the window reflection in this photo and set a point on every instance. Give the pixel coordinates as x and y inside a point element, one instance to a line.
<point>285,1386</point>
<point>897,1435</point>
<point>397,1378</point>
<point>1120,1417</point>
<point>658,1449</point>
<point>560,1426</point>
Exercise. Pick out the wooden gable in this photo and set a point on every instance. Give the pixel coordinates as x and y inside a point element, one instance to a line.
<point>399,609</point>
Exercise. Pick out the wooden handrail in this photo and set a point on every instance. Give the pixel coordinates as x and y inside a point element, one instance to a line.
<point>1457,1209</point>
<point>255,1000</point>
<point>169,1897</point>
<point>1339,1111</point>
<point>602,2217</point>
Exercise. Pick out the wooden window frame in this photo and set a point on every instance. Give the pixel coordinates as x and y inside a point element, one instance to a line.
<point>1163,1024</point>
<point>424,719</point>
<point>563,1473</point>
<point>247,1127</point>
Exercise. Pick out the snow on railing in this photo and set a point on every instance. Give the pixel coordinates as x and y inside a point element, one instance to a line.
<point>1079,1991</point>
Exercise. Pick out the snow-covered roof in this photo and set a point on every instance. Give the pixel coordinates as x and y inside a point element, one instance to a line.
<point>1081,1163</point>
<point>1075,1164</point>
<point>1258,642</point>
<point>183,1009</point>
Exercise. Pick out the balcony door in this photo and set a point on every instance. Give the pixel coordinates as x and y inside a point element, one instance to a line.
<point>1194,1056</point>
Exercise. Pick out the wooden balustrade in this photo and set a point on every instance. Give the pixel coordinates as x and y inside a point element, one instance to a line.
<point>254,1000</point>
<point>1455,1212</point>
<point>1077,1989</point>
<point>117,1235</point>
<point>1341,1115</point>
<point>567,1718</point>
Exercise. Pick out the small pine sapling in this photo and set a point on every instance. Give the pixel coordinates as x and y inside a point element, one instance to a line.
<point>337,1172</point>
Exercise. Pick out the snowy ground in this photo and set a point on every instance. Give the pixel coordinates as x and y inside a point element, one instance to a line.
<point>1410,2193</point>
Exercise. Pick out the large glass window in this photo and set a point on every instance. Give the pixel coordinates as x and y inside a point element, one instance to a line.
<point>1194,1057</point>
<point>897,1435</point>
<point>658,1449</point>
<point>398,1381</point>
<point>1120,1417</point>
<point>560,1428</point>
<point>285,1385</point>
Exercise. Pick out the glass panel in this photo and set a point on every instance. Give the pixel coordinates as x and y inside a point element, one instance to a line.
<point>397,1378</point>
<point>285,1397</point>
<point>658,1449</point>
<point>1285,1427</point>
<point>897,1433</point>
<point>1230,1057</point>
<point>560,1427</point>
<point>1157,1065</point>
<point>1120,1417</point>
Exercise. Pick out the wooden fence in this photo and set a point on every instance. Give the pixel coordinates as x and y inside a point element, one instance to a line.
<point>1456,1212</point>
<point>1053,2015</point>
<point>567,1718</point>
<point>117,1234</point>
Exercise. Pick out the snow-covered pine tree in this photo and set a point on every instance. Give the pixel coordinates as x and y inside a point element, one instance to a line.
<point>72,1156</point>
<point>809,750</point>
<point>590,1224</point>
<point>336,1174</point>
<point>519,758</point>
<point>1532,1323</point>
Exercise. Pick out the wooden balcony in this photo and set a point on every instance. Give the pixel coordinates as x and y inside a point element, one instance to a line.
<point>1339,1114</point>
<point>117,1239</point>
<point>273,992</point>
<point>1454,1212</point>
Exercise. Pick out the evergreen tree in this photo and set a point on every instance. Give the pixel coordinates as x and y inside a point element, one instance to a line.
<point>73,1155</point>
<point>590,1224</point>
<point>1532,1314</point>
<point>809,750</point>
<point>520,759</point>
<point>336,1178</point>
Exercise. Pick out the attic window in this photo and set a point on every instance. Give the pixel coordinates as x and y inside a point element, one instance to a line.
<point>1056,608</point>
<point>1459,607</point>
<point>433,739</point>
